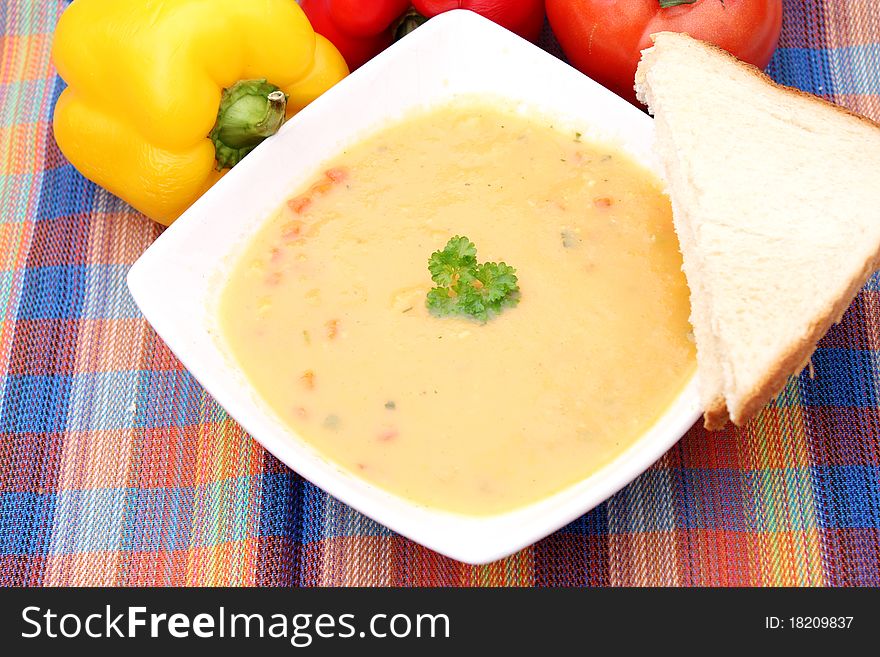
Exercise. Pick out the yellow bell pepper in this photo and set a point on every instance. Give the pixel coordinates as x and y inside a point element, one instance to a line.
<point>164,94</point>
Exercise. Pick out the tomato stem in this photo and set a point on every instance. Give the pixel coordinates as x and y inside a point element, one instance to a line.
<point>407,23</point>
<point>664,4</point>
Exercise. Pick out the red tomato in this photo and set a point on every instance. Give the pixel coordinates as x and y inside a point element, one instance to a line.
<point>360,30</point>
<point>605,38</point>
<point>525,17</point>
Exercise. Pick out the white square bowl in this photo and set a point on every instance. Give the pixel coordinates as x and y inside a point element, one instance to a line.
<point>175,282</point>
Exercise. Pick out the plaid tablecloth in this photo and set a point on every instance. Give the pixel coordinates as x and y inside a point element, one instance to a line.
<point>117,468</point>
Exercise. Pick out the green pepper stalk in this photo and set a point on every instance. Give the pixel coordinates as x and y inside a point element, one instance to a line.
<point>250,111</point>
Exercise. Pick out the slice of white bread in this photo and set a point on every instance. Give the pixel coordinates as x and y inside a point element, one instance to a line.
<point>776,203</point>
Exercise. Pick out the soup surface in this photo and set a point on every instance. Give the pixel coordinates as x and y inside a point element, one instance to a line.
<point>326,310</point>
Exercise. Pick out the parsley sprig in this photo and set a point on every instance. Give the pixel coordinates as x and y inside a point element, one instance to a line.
<point>466,287</point>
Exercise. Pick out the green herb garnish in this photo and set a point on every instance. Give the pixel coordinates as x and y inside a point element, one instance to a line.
<point>466,287</point>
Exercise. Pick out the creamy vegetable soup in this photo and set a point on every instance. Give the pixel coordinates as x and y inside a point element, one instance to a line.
<point>472,411</point>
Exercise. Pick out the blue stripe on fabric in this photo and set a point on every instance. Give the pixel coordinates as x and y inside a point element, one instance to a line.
<point>53,292</point>
<point>152,519</point>
<point>6,299</point>
<point>742,501</point>
<point>848,496</point>
<point>31,403</point>
<point>345,521</point>
<point>65,193</point>
<point>873,284</point>
<point>843,378</point>
<point>594,523</point>
<point>643,506</point>
<point>102,401</point>
<point>710,499</point>
<point>107,295</point>
<point>314,511</point>
<point>25,522</point>
<point>825,71</point>
<point>279,504</point>
<point>167,398</point>
<point>87,520</point>
<point>26,518</point>
<point>161,519</point>
<point>292,508</point>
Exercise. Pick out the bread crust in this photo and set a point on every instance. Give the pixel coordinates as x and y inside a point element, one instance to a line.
<point>716,415</point>
<point>798,355</point>
<point>758,73</point>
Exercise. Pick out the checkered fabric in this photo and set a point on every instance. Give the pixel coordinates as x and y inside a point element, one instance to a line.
<point>117,468</point>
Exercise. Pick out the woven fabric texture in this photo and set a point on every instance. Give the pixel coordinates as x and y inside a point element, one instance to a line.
<point>116,468</point>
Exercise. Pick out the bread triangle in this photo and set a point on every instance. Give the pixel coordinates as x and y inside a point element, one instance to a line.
<point>776,203</point>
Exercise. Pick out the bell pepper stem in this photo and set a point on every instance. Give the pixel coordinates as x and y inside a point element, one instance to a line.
<point>250,111</point>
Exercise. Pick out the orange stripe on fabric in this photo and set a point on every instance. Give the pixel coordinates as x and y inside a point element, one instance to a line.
<point>183,567</point>
<point>776,438</point>
<point>516,570</point>
<point>854,332</point>
<point>851,22</point>
<point>12,233</point>
<point>95,459</point>
<point>311,560</point>
<point>783,504</point>
<point>713,557</point>
<point>82,569</point>
<point>17,152</point>
<point>226,459</point>
<point>865,105</point>
<point>159,357</point>
<point>106,345</point>
<point>360,561</point>
<point>708,449</point>
<point>231,563</point>
<point>119,234</point>
<point>869,320</point>
<point>357,552</point>
<point>24,56</point>
<point>397,561</point>
<point>643,559</point>
<point>775,542</point>
<point>224,449</point>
